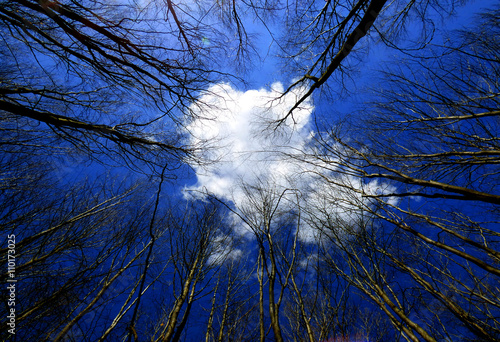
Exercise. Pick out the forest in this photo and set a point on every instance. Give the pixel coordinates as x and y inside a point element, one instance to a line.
<point>250,170</point>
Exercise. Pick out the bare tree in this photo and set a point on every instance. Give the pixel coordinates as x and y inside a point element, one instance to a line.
<point>233,304</point>
<point>428,251</point>
<point>197,250</point>
<point>322,40</point>
<point>73,246</point>
<point>112,78</point>
<point>272,215</point>
<point>406,221</point>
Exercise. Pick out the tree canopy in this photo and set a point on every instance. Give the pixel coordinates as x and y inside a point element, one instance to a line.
<point>149,190</point>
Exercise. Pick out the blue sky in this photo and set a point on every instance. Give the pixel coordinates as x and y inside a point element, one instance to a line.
<point>238,113</point>
<point>251,159</point>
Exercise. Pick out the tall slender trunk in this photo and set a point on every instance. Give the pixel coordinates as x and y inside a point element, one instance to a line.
<point>174,314</point>
<point>260,273</point>
<point>273,306</point>
<point>212,312</point>
<point>224,314</point>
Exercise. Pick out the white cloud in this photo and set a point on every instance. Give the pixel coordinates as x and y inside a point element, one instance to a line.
<point>249,151</point>
<point>245,145</point>
<point>343,204</point>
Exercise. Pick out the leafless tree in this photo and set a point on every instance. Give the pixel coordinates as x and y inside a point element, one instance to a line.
<point>322,40</point>
<point>112,78</point>
<point>427,253</point>
<point>198,247</point>
<point>233,304</point>
<point>408,219</point>
<point>74,246</point>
